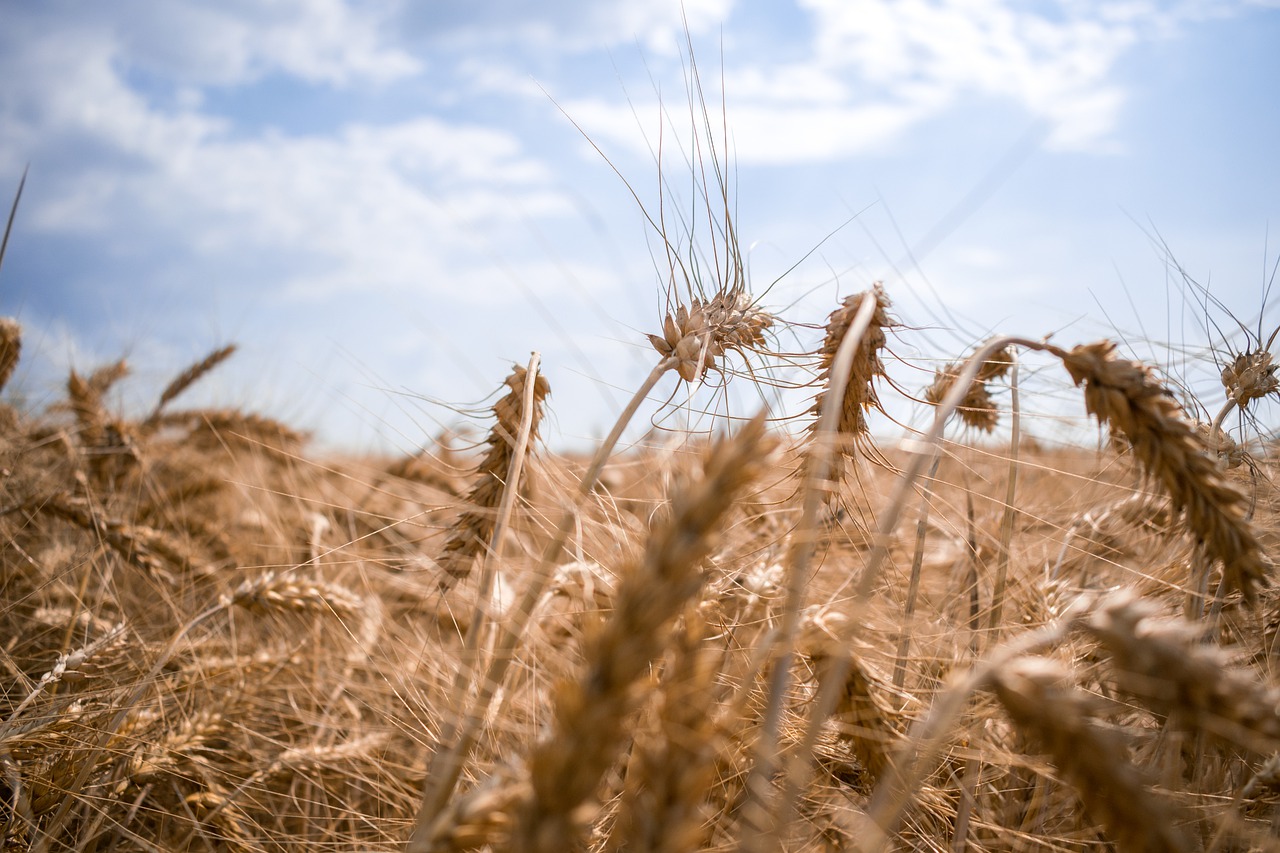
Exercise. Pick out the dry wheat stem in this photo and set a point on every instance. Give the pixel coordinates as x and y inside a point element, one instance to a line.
<point>1010,511</point>
<point>590,713</point>
<point>766,817</point>
<point>460,736</point>
<point>475,526</point>
<point>13,214</point>
<point>913,582</point>
<point>488,557</point>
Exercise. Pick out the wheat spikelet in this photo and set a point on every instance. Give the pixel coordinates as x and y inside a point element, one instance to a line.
<point>147,548</point>
<point>85,395</point>
<point>179,750</point>
<point>1037,697</point>
<point>864,723</point>
<point>215,428</point>
<point>10,349</point>
<point>671,771</point>
<point>566,768</point>
<point>1166,664</point>
<point>473,529</point>
<point>702,332</point>
<point>859,392</point>
<point>1250,376</point>
<point>271,592</point>
<point>483,818</point>
<point>1127,396</point>
<point>68,666</point>
<point>977,409</point>
<point>190,376</point>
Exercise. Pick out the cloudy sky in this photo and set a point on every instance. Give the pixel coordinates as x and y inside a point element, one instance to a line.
<point>387,204</point>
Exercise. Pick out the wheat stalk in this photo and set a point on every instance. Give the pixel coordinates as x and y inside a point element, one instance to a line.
<point>566,768</point>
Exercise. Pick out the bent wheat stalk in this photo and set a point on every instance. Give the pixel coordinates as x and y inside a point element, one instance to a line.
<point>849,366</point>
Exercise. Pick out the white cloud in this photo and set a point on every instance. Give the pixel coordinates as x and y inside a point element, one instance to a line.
<point>1057,68</point>
<point>224,43</point>
<point>569,26</point>
<point>398,204</point>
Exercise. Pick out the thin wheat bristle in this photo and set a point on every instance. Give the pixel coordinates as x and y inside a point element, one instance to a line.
<point>1127,396</point>
<point>1037,696</point>
<point>471,532</point>
<point>566,768</point>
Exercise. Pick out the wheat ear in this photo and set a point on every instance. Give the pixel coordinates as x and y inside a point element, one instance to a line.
<point>1036,696</point>
<point>566,768</point>
<point>10,349</point>
<point>1165,663</point>
<point>1127,396</point>
<point>474,528</point>
<point>189,377</point>
<point>976,408</point>
<point>865,366</point>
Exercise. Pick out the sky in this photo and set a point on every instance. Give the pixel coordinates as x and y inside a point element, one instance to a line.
<point>388,204</point>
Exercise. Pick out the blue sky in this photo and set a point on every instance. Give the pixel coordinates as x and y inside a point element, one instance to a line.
<point>386,204</point>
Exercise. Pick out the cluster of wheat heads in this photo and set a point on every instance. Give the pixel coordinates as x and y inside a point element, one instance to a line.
<point>215,641</point>
<point>750,638</point>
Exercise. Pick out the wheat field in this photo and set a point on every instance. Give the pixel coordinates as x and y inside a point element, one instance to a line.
<point>782,632</point>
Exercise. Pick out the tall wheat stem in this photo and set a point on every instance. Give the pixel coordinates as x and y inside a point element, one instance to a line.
<point>475,631</point>
<point>447,763</point>
<point>913,583</point>
<point>817,469</point>
<point>922,453</point>
<point>1010,511</point>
